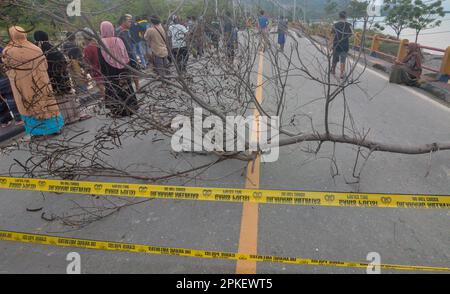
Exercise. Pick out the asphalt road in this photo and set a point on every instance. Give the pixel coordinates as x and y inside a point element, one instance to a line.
<point>410,237</point>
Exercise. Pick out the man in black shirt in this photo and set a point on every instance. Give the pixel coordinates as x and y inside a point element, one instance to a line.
<point>342,31</point>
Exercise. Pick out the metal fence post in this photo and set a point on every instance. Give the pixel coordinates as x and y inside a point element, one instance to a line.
<point>375,45</point>
<point>357,40</point>
<point>402,49</point>
<point>445,66</point>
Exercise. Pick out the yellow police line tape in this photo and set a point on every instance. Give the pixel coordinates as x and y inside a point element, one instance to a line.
<point>138,248</point>
<point>301,198</point>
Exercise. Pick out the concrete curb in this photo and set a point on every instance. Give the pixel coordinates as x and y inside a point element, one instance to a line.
<point>429,87</point>
<point>436,91</point>
<point>11,132</point>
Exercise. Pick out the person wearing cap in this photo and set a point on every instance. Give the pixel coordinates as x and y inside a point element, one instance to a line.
<point>138,29</point>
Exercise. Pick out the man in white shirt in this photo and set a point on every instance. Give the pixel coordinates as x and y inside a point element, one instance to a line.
<point>178,33</point>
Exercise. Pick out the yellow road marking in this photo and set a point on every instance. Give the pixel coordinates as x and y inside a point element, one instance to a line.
<point>248,239</point>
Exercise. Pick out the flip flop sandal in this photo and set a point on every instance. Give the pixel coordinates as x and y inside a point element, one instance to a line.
<point>85,117</point>
<point>8,124</point>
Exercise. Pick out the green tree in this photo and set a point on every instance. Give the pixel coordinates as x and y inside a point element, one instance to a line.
<point>425,15</point>
<point>399,14</point>
<point>357,10</point>
<point>24,13</point>
<point>331,9</point>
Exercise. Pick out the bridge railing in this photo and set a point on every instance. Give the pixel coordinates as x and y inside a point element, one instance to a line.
<point>445,66</point>
<point>377,40</point>
<point>375,47</point>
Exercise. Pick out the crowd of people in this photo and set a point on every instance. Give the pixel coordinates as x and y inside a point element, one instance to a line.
<point>41,82</point>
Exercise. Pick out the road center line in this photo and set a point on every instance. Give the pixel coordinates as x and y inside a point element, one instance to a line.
<point>248,239</point>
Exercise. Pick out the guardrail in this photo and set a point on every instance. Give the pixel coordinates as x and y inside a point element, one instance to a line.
<point>376,41</point>
<point>443,71</point>
<point>376,44</point>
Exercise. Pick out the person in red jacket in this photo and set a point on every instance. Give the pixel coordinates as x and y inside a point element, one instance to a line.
<point>92,63</point>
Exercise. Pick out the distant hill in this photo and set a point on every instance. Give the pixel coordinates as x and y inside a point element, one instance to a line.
<point>314,8</point>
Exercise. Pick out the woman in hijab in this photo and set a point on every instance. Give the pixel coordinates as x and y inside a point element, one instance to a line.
<point>57,64</point>
<point>26,68</point>
<point>113,57</point>
<point>409,70</point>
<point>60,79</point>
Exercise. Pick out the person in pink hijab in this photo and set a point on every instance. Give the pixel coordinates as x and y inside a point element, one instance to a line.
<point>120,97</point>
